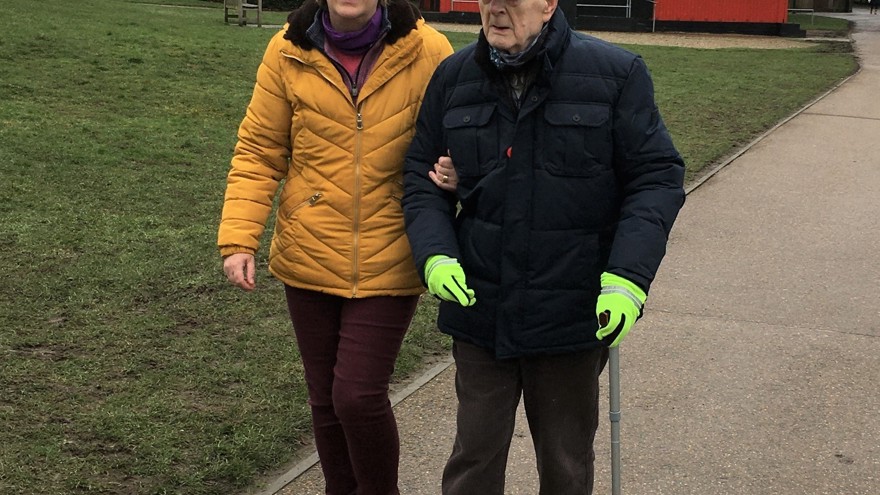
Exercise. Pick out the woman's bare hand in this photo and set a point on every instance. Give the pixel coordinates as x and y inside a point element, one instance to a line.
<point>239,269</point>
<point>444,174</point>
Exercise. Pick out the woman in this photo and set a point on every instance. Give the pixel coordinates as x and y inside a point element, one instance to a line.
<point>332,115</point>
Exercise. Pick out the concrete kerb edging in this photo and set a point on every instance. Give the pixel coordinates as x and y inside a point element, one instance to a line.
<point>307,463</point>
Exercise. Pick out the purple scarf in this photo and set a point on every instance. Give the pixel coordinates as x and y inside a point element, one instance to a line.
<point>355,42</point>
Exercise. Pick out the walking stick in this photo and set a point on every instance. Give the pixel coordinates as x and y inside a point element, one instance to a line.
<point>614,416</point>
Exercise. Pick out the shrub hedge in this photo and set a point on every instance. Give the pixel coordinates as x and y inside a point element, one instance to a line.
<point>281,4</point>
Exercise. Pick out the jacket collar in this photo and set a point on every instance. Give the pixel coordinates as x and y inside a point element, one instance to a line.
<point>402,16</point>
<point>538,73</point>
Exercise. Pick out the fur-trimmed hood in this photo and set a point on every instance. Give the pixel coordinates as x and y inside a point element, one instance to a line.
<point>402,15</point>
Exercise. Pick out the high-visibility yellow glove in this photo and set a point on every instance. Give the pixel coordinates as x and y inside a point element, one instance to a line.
<point>618,307</point>
<point>446,280</point>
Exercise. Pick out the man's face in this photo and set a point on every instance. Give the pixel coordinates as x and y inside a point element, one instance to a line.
<point>510,25</point>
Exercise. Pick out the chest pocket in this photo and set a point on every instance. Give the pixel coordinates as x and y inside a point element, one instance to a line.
<point>471,140</point>
<point>577,139</point>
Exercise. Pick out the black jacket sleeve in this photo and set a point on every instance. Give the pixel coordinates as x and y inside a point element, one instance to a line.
<point>429,212</point>
<point>651,176</point>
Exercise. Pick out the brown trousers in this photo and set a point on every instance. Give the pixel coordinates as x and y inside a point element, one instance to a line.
<point>561,396</point>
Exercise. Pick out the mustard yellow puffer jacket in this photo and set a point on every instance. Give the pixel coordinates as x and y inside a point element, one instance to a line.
<point>339,225</point>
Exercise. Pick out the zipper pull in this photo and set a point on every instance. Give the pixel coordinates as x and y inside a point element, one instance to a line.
<point>360,121</point>
<point>314,199</point>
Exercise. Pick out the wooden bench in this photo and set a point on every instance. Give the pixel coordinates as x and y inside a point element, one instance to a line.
<point>238,9</point>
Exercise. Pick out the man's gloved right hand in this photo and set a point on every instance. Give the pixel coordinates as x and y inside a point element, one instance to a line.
<point>617,309</point>
<point>446,280</point>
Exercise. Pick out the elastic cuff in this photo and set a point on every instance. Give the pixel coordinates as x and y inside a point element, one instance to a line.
<point>610,280</point>
<point>431,261</point>
<point>230,250</point>
<point>623,291</point>
<point>437,261</point>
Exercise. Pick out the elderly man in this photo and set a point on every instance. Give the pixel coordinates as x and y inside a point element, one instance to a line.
<point>568,184</point>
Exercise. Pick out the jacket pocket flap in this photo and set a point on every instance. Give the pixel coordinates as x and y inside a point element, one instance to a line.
<point>578,114</point>
<point>472,116</point>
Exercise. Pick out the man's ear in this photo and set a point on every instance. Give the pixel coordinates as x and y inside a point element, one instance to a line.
<point>550,9</point>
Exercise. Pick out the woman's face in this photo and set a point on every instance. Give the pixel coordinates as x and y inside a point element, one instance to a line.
<point>351,15</point>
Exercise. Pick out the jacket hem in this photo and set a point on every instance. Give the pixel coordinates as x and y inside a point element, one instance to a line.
<point>347,292</point>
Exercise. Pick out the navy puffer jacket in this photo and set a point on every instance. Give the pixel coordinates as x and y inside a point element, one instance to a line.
<point>583,178</point>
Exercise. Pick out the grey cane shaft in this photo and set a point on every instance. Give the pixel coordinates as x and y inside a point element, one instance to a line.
<point>614,416</point>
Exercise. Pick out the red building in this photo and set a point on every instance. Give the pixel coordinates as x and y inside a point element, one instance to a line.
<point>737,16</point>
<point>760,11</point>
<point>460,6</point>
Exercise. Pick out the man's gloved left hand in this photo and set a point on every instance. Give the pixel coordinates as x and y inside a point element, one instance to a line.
<point>446,280</point>
<point>618,307</point>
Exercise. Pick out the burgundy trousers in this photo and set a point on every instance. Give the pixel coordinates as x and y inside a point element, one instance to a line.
<point>348,349</point>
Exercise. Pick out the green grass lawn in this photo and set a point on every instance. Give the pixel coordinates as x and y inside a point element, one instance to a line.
<point>832,26</point>
<point>716,100</point>
<point>127,363</point>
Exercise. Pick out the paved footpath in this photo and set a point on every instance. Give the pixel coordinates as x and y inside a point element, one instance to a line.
<point>756,369</point>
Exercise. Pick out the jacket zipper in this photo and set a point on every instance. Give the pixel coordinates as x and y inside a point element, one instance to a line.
<point>310,201</point>
<point>359,122</point>
<point>357,201</point>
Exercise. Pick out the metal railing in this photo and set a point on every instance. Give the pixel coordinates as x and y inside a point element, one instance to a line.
<point>628,7</point>
<point>804,11</point>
